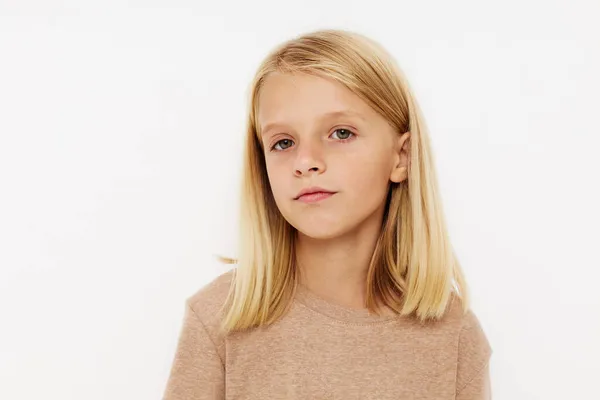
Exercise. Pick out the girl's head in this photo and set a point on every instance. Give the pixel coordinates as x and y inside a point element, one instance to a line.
<point>315,132</point>
<point>332,109</point>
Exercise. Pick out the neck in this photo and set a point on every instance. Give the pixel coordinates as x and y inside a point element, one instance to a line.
<point>336,268</point>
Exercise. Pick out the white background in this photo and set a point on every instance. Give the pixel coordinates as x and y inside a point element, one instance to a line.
<point>121,130</point>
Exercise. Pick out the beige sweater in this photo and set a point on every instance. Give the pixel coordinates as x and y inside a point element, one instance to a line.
<point>321,350</point>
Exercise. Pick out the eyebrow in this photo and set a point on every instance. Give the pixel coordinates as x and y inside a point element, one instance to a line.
<point>328,115</point>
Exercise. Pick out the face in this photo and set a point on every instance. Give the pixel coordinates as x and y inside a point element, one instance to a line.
<point>317,133</point>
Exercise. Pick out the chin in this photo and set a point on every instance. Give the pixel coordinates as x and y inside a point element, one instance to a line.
<point>319,231</point>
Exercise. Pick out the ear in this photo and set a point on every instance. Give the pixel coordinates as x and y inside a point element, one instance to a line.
<point>401,158</point>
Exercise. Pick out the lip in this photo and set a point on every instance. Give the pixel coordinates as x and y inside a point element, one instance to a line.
<point>313,193</point>
<point>314,197</point>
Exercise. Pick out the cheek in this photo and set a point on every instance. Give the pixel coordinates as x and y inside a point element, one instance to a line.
<point>276,181</point>
<point>367,173</point>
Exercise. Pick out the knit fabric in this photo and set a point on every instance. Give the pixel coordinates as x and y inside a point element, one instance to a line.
<point>322,350</point>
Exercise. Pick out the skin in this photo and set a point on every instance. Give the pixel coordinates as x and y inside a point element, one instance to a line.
<point>355,156</point>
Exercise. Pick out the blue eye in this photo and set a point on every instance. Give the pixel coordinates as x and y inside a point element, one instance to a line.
<point>344,130</point>
<point>347,134</point>
<point>281,141</point>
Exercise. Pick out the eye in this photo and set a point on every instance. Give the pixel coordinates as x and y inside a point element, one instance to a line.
<point>286,141</point>
<point>345,132</point>
<point>345,135</point>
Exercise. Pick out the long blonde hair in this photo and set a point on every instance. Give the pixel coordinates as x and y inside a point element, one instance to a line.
<point>413,269</point>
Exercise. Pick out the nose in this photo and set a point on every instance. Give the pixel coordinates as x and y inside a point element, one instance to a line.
<point>309,159</point>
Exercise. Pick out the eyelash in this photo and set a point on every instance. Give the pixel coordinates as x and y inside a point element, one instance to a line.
<point>352,135</point>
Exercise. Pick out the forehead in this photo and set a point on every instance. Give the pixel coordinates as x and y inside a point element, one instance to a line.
<point>289,97</point>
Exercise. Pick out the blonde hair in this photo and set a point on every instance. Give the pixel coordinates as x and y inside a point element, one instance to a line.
<point>413,269</point>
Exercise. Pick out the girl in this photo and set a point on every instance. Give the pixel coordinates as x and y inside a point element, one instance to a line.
<point>346,284</point>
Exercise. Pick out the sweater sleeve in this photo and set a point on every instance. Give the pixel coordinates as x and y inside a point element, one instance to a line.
<point>197,372</point>
<point>474,353</point>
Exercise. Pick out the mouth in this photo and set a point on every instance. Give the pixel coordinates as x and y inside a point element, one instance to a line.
<point>313,196</point>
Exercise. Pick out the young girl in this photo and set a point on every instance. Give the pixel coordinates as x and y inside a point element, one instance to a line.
<point>346,284</point>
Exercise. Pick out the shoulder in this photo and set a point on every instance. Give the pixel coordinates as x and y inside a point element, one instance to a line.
<point>471,335</point>
<point>464,330</point>
<point>466,325</point>
<point>207,302</point>
<point>473,347</point>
